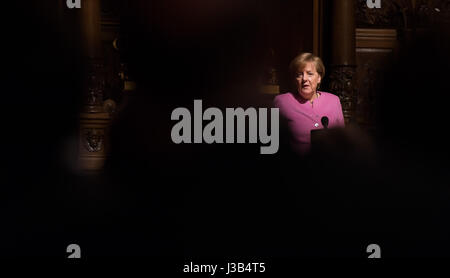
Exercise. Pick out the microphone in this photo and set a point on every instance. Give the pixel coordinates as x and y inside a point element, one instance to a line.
<point>324,121</point>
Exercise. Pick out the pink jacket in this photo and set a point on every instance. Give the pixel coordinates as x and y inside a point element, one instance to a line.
<point>301,116</point>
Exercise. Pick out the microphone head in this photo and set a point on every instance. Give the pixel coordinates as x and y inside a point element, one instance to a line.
<point>324,121</point>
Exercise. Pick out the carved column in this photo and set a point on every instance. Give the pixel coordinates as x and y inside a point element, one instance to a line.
<point>343,56</point>
<point>91,47</point>
<point>94,121</point>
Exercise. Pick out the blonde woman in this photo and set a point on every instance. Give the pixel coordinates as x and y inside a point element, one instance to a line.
<point>304,108</point>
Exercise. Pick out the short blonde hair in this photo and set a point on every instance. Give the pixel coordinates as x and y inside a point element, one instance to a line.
<point>300,61</point>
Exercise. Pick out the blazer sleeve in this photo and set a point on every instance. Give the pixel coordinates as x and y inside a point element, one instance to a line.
<point>279,103</point>
<point>339,114</point>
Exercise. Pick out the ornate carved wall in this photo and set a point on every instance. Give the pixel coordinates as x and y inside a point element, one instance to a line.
<point>403,14</point>
<point>379,35</point>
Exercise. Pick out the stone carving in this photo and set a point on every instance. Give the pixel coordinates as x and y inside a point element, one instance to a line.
<point>342,83</point>
<point>93,139</point>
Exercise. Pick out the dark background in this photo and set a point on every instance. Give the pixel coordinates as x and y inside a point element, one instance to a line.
<point>160,199</point>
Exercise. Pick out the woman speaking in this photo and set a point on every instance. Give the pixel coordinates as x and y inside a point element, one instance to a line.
<point>306,108</point>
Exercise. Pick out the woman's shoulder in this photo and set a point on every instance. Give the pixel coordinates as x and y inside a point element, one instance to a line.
<point>283,99</point>
<point>330,96</point>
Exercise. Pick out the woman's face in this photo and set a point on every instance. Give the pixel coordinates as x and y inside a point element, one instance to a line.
<point>307,80</point>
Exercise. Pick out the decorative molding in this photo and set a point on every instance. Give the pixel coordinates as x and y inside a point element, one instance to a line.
<point>378,38</point>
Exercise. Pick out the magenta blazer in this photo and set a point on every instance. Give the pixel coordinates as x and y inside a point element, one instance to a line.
<point>301,116</point>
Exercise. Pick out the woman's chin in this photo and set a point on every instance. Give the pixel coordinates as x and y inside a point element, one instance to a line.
<point>306,93</point>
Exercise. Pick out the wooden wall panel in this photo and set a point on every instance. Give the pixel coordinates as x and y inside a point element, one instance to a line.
<point>375,49</point>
